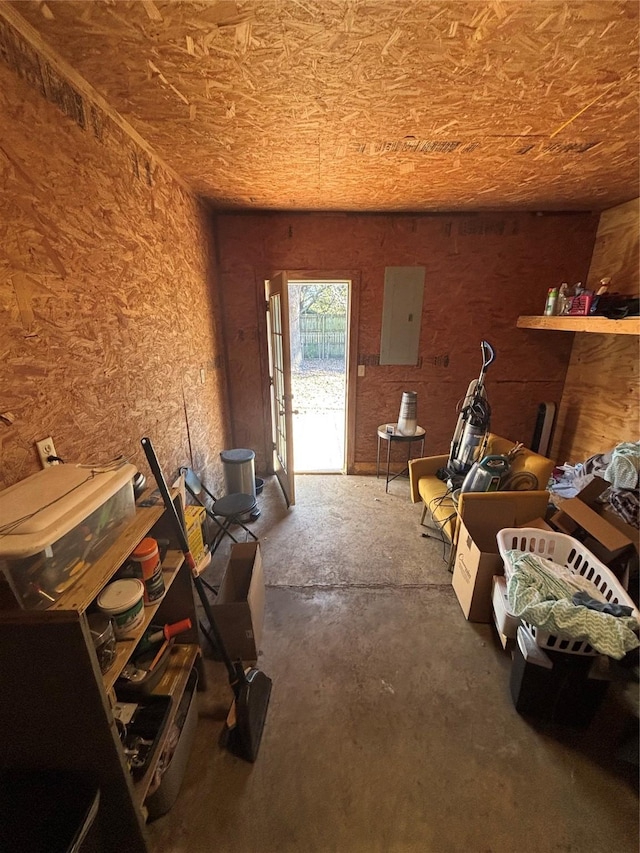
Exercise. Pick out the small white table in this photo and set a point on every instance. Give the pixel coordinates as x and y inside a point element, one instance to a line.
<point>390,434</point>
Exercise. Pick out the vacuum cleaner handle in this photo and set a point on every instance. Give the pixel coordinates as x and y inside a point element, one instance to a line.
<point>488,355</point>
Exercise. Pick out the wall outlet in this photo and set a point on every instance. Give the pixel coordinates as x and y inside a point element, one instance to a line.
<point>46,448</point>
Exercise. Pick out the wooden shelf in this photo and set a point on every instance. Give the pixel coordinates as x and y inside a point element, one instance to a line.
<point>88,585</point>
<point>84,591</point>
<point>124,648</point>
<point>598,325</point>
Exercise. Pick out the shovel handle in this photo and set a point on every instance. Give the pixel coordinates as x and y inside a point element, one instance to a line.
<point>159,654</point>
<point>176,628</point>
<point>169,631</point>
<point>236,673</point>
<point>170,507</point>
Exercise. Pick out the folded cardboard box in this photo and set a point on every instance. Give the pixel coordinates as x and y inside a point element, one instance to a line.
<point>239,605</point>
<point>538,524</point>
<point>477,559</point>
<point>599,529</point>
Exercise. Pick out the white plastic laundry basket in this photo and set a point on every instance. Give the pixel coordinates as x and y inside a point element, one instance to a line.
<point>567,552</point>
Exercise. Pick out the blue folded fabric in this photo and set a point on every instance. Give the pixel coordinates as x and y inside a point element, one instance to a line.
<point>602,606</point>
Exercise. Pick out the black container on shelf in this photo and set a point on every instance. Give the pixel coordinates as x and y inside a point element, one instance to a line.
<point>552,686</point>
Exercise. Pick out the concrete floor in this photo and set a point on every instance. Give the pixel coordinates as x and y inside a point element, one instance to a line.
<point>318,388</point>
<point>318,441</point>
<point>390,726</point>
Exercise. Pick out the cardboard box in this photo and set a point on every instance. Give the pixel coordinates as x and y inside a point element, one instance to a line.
<point>194,518</point>
<point>599,529</point>
<point>477,560</point>
<point>538,524</point>
<point>239,606</point>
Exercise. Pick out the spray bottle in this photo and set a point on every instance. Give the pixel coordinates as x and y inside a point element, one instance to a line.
<point>552,298</point>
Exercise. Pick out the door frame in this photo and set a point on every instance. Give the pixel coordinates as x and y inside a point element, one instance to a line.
<point>352,276</point>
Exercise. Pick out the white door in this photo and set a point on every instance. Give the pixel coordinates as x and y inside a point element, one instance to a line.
<point>280,375</point>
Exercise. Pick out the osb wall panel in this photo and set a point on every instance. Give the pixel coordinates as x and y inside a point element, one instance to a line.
<point>481,272</point>
<point>601,400</point>
<point>615,253</point>
<point>371,104</point>
<point>108,328</point>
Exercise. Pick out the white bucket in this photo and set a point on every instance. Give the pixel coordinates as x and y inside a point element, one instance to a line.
<point>123,601</point>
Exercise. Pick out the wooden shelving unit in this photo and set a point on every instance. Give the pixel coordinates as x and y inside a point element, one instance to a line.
<point>58,708</point>
<point>598,325</point>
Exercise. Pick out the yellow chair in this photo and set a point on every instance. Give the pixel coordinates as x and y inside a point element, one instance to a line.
<point>438,501</point>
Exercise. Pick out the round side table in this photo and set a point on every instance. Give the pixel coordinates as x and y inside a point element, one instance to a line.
<point>390,434</point>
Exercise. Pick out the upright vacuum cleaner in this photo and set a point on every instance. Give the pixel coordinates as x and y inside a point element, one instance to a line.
<point>252,688</point>
<point>472,428</point>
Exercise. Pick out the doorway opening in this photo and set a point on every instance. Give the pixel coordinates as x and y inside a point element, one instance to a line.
<point>319,335</point>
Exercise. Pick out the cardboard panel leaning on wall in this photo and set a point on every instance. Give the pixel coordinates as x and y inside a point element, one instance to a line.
<point>615,253</point>
<point>108,296</point>
<point>601,399</point>
<point>600,402</point>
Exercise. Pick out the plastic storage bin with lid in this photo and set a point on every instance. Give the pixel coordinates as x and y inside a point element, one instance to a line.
<point>54,526</point>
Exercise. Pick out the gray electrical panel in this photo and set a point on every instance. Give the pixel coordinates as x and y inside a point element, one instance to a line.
<point>401,315</point>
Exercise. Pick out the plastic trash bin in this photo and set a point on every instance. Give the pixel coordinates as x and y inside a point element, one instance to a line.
<point>239,471</point>
<point>47,811</point>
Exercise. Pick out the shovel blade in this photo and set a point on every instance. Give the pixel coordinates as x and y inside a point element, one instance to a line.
<point>251,705</point>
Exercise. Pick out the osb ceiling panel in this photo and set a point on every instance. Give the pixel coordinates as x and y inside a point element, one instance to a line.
<point>370,105</point>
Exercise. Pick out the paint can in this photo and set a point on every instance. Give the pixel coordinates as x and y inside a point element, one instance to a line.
<point>146,559</point>
<point>123,601</point>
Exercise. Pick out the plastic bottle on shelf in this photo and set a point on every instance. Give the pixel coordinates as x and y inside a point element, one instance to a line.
<point>552,299</point>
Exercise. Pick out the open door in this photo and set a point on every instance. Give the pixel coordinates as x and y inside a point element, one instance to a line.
<point>280,375</point>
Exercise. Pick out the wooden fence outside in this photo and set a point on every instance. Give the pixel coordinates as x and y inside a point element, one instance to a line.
<point>323,336</point>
